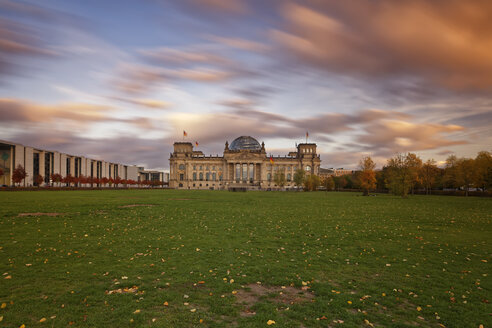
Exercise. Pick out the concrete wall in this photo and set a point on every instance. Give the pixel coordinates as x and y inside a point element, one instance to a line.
<point>28,153</point>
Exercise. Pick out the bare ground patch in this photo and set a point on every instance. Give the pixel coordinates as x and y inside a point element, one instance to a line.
<point>40,214</point>
<point>136,205</point>
<point>253,293</point>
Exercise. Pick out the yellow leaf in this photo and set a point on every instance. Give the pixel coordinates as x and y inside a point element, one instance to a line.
<point>419,308</point>
<point>42,320</point>
<point>193,310</point>
<point>349,302</point>
<point>201,320</point>
<point>22,326</point>
<point>166,303</point>
<point>1,318</point>
<point>136,311</point>
<point>4,305</point>
<point>270,322</point>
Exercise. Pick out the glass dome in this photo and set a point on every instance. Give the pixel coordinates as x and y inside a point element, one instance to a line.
<point>245,143</point>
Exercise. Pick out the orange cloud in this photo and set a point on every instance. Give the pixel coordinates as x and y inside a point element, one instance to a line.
<point>444,42</point>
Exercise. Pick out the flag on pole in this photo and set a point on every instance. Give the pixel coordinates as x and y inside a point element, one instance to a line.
<point>271,160</point>
<point>196,143</point>
<point>185,134</point>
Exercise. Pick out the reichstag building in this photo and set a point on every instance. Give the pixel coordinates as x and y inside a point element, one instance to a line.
<point>244,164</point>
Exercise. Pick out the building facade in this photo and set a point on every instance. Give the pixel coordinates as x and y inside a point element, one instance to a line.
<point>46,163</point>
<point>244,164</point>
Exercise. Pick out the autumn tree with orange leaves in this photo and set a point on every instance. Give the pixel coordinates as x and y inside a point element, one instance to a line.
<point>367,176</point>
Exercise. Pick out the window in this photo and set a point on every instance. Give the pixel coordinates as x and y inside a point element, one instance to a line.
<point>289,177</point>
<point>201,167</point>
<point>213,168</point>
<point>194,176</point>
<point>238,172</point>
<point>207,176</point>
<point>207,168</point>
<point>269,177</point>
<point>213,176</point>
<point>194,166</point>
<point>245,172</point>
<point>181,177</point>
<point>308,168</point>
<point>251,172</point>
<point>181,166</point>
<point>220,177</point>
<point>201,176</point>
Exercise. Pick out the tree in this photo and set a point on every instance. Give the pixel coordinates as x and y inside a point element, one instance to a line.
<point>117,180</point>
<point>450,178</point>
<point>367,176</point>
<point>400,178</point>
<point>19,174</point>
<point>428,173</point>
<point>466,173</point>
<point>104,181</point>
<point>68,180</point>
<point>299,176</point>
<point>56,178</point>
<point>279,178</point>
<point>340,182</point>
<point>1,172</point>
<point>38,180</point>
<point>414,164</point>
<point>311,183</point>
<point>328,183</point>
<point>483,170</point>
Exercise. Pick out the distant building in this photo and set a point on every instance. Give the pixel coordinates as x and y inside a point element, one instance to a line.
<point>323,173</point>
<point>245,164</point>
<point>42,162</point>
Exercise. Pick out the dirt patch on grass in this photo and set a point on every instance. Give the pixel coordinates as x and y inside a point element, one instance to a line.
<point>40,214</point>
<point>253,293</point>
<point>136,205</point>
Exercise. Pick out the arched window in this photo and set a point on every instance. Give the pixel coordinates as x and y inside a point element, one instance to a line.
<point>201,176</point>
<point>194,176</point>
<point>308,168</point>
<point>207,176</point>
<point>181,166</point>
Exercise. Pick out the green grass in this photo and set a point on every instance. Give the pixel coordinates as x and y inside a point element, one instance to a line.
<point>389,257</point>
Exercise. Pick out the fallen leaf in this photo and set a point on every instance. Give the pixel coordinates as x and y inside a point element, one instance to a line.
<point>270,322</point>
<point>42,320</point>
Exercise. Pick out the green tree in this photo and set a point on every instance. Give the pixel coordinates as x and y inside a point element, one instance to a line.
<point>483,170</point>
<point>399,178</point>
<point>340,182</point>
<point>367,176</point>
<point>451,174</point>
<point>279,178</point>
<point>429,173</point>
<point>328,183</point>
<point>311,182</point>
<point>299,177</point>
<point>466,173</point>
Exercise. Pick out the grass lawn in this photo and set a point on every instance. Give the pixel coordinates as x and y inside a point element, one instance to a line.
<point>219,259</point>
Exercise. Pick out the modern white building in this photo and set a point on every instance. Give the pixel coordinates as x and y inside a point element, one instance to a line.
<point>47,162</point>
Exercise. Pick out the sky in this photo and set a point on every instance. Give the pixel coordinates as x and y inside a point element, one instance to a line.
<point>121,80</point>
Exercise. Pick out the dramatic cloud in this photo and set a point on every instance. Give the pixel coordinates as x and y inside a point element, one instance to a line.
<point>387,137</point>
<point>166,55</point>
<point>447,43</point>
<point>17,111</point>
<point>239,43</point>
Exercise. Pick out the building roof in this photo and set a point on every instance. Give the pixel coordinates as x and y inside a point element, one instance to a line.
<point>245,143</point>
